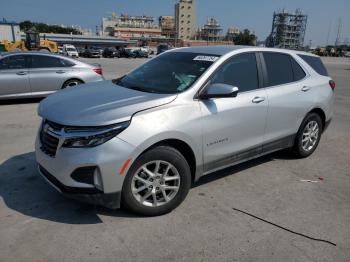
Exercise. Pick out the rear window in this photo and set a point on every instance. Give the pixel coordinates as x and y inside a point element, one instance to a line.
<point>297,70</point>
<point>279,69</point>
<point>315,63</point>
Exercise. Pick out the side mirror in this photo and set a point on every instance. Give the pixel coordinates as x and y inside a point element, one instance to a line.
<point>219,90</point>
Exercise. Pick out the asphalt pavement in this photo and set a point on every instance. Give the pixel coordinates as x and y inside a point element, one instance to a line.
<point>262,210</point>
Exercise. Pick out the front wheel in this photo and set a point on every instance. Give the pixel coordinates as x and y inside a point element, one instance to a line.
<point>308,136</point>
<point>157,182</point>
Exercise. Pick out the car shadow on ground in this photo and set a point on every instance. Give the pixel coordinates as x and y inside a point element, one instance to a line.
<point>20,101</point>
<point>25,191</point>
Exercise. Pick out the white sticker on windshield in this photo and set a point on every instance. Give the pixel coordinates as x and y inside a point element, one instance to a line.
<point>206,58</point>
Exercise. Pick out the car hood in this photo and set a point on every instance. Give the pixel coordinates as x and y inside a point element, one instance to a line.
<point>98,103</point>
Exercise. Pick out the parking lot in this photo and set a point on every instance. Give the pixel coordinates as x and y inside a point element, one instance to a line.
<point>262,210</point>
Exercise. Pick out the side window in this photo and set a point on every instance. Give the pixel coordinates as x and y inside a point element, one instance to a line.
<point>13,62</point>
<point>279,68</point>
<point>297,70</point>
<point>66,63</point>
<point>316,63</point>
<point>240,71</point>
<point>42,61</point>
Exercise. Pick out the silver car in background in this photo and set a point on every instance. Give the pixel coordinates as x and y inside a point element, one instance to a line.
<point>142,139</point>
<point>38,74</point>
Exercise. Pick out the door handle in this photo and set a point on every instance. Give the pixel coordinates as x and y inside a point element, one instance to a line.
<point>60,72</point>
<point>22,73</point>
<point>258,99</point>
<point>305,88</point>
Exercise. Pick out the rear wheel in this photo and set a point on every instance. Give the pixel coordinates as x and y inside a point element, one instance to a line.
<point>308,136</point>
<point>157,182</point>
<point>71,82</point>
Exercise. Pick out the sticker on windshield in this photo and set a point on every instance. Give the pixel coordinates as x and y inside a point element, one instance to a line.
<point>206,58</point>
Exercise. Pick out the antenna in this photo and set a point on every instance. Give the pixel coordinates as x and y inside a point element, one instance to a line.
<point>340,25</point>
<point>329,31</point>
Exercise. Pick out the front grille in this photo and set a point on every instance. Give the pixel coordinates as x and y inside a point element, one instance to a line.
<point>49,143</point>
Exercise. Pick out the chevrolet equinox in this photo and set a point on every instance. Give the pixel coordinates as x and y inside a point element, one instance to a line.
<point>141,140</point>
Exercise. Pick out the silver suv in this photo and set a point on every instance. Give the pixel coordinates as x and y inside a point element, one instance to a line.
<point>144,138</point>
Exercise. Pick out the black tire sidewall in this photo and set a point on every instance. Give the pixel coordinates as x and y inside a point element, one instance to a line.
<point>65,85</point>
<point>298,143</point>
<point>164,153</point>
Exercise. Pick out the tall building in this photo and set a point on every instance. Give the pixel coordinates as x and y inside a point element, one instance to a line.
<point>185,19</point>
<point>167,25</point>
<point>131,27</point>
<point>288,30</point>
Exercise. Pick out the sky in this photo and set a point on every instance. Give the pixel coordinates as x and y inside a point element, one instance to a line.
<point>256,15</point>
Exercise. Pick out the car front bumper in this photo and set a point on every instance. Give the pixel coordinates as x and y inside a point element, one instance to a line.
<point>108,158</point>
<point>90,196</point>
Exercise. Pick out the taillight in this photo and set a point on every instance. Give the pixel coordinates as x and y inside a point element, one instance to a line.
<point>98,71</point>
<point>332,84</point>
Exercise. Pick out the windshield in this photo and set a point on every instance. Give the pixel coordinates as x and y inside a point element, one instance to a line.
<point>71,49</point>
<point>169,73</point>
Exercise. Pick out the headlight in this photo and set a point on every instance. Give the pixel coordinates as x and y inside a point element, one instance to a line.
<point>91,137</point>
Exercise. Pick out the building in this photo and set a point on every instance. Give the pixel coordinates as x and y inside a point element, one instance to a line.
<point>9,31</point>
<point>167,26</point>
<point>185,19</point>
<point>232,32</point>
<point>288,30</point>
<point>130,27</point>
<point>211,31</point>
<point>84,41</point>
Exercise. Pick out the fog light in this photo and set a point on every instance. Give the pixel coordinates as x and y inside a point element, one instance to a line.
<point>98,179</point>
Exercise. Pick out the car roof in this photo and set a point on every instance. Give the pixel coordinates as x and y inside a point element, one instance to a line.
<point>225,49</point>
<point>29,53</point>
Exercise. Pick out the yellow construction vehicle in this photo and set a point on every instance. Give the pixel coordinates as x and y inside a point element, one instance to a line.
<point>31,43</point>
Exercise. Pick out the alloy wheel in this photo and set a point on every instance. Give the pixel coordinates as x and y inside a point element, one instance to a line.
<point>310,135</point>
<point>155,183</point>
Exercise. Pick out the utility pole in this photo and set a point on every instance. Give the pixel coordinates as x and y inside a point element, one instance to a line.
<point>340,25</point>
<point>329,31</point>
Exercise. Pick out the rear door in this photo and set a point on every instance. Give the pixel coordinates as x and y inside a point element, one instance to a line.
<point>14,75</point>
<point>289,98</point>
<point>233,128</point>
<point>47,73</point>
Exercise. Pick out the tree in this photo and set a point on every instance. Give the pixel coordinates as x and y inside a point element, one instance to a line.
<point>45,28</point>
<point>245,38</point>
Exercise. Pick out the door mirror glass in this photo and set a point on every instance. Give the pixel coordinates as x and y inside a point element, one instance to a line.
<point>219,90</point>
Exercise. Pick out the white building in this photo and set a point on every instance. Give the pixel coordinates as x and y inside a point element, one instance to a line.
<point>185,19</point>
<point>9,31</point>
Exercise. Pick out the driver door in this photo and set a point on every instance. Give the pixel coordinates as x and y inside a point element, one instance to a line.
<point>233,128</point>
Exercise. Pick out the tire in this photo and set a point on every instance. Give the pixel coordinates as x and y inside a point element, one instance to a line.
<point>178,173</point>
<point>302,149</point>
<point>71,82</point>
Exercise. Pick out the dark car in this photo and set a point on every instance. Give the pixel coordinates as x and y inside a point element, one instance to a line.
<point>128,53</point>
<point>80,51</point>
<point>110,52</point>
<point>141,54</point>
<point>91,53</point>
<point>162,48</point>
